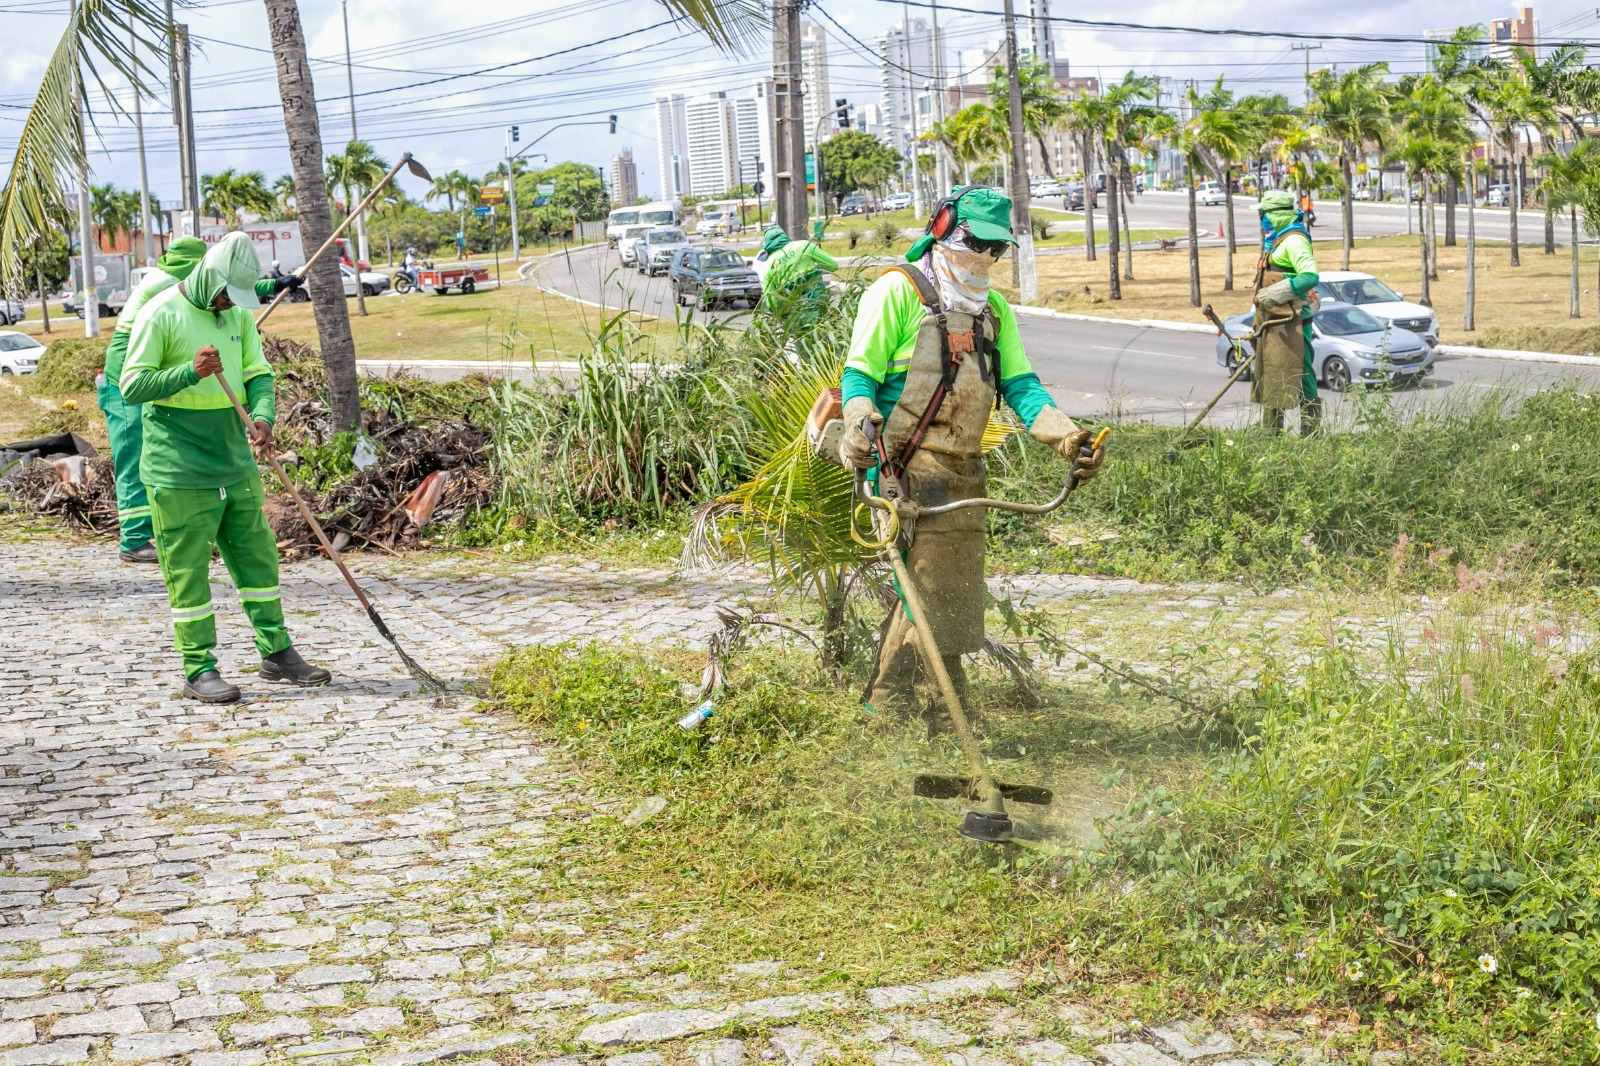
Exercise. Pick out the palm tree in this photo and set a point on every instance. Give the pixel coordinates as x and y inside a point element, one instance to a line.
<point>1042,106</point>
<point>1564,184</point>
<point>227,195</point>
<point>112,212</point>
<point>1463,72</point>
<point>1352,108</point>
<point>1191,163</point>
<point>1131,120</point>
<point>283,196</point>
<point>1086,117</point>
<point>355,171</point>
<point>1552,79</point>
<point>1433,131</point>
<point>49,149</point>
<point>1221,137</point>
<point>1511,105</point>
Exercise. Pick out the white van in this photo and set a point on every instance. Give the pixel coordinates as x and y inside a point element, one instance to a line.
<point>661,213</point>
<point>619,220</point>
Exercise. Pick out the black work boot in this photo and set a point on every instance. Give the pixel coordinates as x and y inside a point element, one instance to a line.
<point>208,687</point>
<point>286,665</point>
<point>144,554</point>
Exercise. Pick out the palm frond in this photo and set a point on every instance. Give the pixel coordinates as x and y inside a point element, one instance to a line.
<point>50,148</point>
<point>732,25</point>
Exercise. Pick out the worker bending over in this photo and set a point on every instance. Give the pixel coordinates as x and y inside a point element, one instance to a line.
<point>204,487</point>
<point>124,424</point>
<point>1286,275</point>
<point>931,346</point>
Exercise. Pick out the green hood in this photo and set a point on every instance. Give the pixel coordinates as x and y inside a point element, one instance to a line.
<point>773,239</point>
<point>182,256</point>
<point>231,264</point>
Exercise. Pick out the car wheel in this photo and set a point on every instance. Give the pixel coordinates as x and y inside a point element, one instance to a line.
<point>368,291</point>
<point>468,286</point>
<point>1336,374</point>
<point>5,371</point>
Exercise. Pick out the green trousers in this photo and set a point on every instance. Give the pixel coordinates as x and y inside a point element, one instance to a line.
<point>187,523</point>
<point>125,426</point>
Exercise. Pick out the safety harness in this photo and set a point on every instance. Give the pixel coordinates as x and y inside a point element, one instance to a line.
<point>953,350</point>
<point>1270,239</point>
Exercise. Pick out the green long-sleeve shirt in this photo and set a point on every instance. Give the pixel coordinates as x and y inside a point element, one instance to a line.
<point>193,438</point>
<point>795,264</point>
<point>885,333</point>
<point>154,284</point>
<point>1294,257</point>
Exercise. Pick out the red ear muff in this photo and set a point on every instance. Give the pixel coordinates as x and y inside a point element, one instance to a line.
<point>944,221</point>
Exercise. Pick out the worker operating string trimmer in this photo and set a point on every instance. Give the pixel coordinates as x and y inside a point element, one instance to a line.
<point>932,351</point>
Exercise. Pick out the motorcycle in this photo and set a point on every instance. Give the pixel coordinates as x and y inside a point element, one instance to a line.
<point>402,281</point>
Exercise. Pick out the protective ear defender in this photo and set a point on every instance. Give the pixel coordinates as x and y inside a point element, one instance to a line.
<point>942,222</point>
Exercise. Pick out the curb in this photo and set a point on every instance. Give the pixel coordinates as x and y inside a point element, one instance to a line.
<point>1513,355</point>
<point>1142,323</point>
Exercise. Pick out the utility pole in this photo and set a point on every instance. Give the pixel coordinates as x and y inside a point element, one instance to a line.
<point>91,297</point>
<point>144,174</point>
<point>1021,223</point>
<point>188,163</point>
<point>361,218</point>
<point>942,172</point>
<point>911,111</point>
<point>1307,49</point>
<point>789,118</point>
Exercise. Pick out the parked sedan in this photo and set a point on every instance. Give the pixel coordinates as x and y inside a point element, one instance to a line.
<point>1210,194</point>
<point>19,353</point>
<point>1349,347</point>
<point>1046,188</point>
<point>712,276</point>
<point>372,282</point>
<point>1379,301</point>
<point>12,312</point>
<point>897,201</point>
<point>653,253</point>
<point>628,243</point>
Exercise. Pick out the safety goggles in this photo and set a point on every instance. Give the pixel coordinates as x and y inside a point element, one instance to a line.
<point>977,244</point>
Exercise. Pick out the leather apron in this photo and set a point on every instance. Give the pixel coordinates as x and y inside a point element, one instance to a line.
<point>1280,344</point>
<point>946,556</point>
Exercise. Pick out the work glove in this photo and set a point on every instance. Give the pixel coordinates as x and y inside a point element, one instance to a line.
<point>855,450</point>
<point>290,282</point>
<point>1055,430</point>
<point>1278,294</point>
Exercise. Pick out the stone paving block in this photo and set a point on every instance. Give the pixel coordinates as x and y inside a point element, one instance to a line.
<point>1134,1054</point>
<point>650,1027</point>
<point>271,1031</point>
<point>897,1055</point>
<point>189,1008</point>
<point>147,1047</point>
<point>933,1032</point>
<point>115,1022</point>
<point>317,976</point>
<point>892,996</point>
<point>800,1046</point>
<point>719,1053</point>
<point>137,995</point>
<point>637,1058</point>
<point>371,1020</point>
<point>1049,1053</point>
<point>423,967</point>
<point>68,1003</point>
<point>21,987</point>
<point>1191,1043</point>
<point>14,1033</point>
<point>56,1053</point>
<point>252,1057</point>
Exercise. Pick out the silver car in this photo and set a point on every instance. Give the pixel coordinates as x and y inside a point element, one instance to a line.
<point>11,312</point>
<point>1350,347</point>
<point>1379,301</point>
<point>653,254</point>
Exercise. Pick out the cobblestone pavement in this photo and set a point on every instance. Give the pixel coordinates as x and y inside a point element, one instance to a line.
<point>285,878</point>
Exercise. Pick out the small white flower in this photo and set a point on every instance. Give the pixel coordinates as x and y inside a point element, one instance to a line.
<point>1288,980</point>
<point>1523,993</point>
<point>1450,893</point>
<point>1352,971</point>
<point>1229,443</point>
<point>1516,447</point>
<point>1488,963</point>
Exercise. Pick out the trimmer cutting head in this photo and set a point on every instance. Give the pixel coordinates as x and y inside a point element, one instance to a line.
<point>987,828</point>
<point>955,786</point>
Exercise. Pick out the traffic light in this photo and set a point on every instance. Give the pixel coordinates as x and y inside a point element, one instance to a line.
<point>516,134</point>
<point>843,108</point>
<point>613,123</point>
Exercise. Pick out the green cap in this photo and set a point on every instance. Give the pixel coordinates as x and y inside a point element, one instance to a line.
<point>182,256</point>
<point>1274,200</point>
<point>987,214</point>
<point>773,239</point>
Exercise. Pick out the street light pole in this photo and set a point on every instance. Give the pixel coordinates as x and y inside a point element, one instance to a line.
<point>511,180</point>
<point>91,296</point>
<point>144,173</point>
<point>1021,224</point>
<point>361,218</point>
<point>911,111</point>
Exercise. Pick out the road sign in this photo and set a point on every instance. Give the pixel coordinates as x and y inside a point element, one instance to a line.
<point>492,194</point>
<point>483,210</point>
<point>547,189</point>
<point>760,187</point>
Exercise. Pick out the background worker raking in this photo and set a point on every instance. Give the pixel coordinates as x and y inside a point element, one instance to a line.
<point>1286,276</point>
<point>794,266</point>
<point>124,422</point>
<point>931,347</point>
<point>197,465</point>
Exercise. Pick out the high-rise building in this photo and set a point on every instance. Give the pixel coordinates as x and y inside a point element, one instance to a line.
<point>752,135</point>
<point>1040,36</point>
<point>709,124</point>
<point>814,78</point>
<point>1509,35</point>
<point>624,178</point>
<point>905,82</point>
<point>672,145</point>
<point>1435,39</point>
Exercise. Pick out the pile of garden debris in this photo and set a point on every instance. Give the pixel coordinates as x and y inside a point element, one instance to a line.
<point>422,460</point>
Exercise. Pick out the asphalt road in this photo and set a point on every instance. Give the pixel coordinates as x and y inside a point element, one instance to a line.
<point>1100,369</point>
<point>1170,210</point>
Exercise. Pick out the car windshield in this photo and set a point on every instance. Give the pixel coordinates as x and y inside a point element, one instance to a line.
<point>17,343</point>
<point>1359,291</point>
<point>623,218</point>
<point>1347,322</point>
<point>636,231</point>
<point>658,217</point>
<point>723,260</point>
<point>666,236</point>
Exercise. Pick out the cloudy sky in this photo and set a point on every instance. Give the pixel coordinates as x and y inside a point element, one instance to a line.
<point>443,79</point>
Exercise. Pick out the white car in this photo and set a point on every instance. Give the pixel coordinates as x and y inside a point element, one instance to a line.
<point>716,223</point>
<point>372,282</point>
<point>19,353</point>
<point>897,201</point>
<point>1379,301</point>
<point>12,312</point>
<point>1210,194</point>
<point>1047,188</point>
<point>626,242</point>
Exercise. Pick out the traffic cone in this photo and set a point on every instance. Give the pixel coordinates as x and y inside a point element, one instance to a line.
<point>1221,236</point>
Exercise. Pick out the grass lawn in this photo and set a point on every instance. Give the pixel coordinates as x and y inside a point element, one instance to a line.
<point>1515,305</point>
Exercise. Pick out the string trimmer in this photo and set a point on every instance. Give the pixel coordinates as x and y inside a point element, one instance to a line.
<point>1243,362</point>
<point>988,822</point>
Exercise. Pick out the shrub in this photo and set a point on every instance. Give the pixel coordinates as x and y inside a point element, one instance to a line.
<point>853,235</point>
<point>68,366</point>
<point>887,233</point>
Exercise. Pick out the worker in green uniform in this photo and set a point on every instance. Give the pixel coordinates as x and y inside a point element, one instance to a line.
<point>124,424</point>
<point>931,346</point>
<point>1286,277</point>
<point>793,266</point>
<point>203,483</point>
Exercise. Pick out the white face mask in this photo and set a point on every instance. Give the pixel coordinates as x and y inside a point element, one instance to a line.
<point>962,274</point>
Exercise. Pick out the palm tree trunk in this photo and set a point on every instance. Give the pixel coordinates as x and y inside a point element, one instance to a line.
<point>1574,311</point>
<point>1194,238</point>
<point>1348,205</point>
<point>1113,244</point>
<point>1088,198</point>
<point>1227,228</point>
<point>1452,192</point>
<point>1127,230</point>
<point>1433,229</point>
<point>1422,244</point>
<point>1549,231</point>
<point>311,202</point>
<point>1516,204</point>
<point>1469,318</point>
